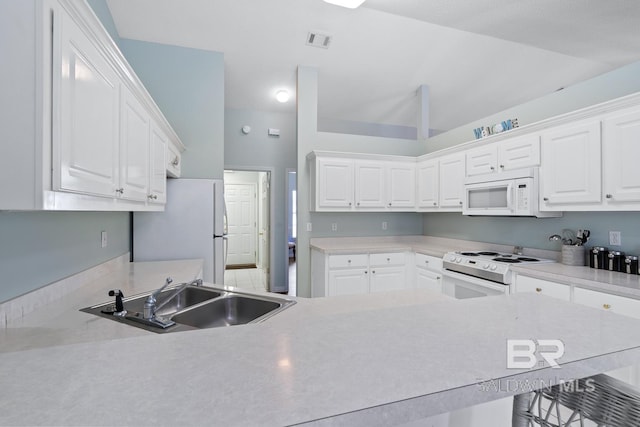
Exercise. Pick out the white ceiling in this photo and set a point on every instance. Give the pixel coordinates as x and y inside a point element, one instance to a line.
<point>477,57</point>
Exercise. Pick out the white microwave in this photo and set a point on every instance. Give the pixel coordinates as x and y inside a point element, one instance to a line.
<point>511,193</point>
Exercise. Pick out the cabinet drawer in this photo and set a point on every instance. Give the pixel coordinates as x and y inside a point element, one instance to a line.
<point>614,303</point>
<point>396,258</point>
<point>543,287</point>
<point>346,261</point>
<point>429,262</point>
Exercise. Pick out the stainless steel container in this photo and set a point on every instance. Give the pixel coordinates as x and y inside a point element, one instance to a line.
<point>598,257</point>
<point>631,264</point>
<point>615,261</point>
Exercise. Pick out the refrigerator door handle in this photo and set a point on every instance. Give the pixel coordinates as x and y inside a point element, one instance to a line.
<point>226,251</point>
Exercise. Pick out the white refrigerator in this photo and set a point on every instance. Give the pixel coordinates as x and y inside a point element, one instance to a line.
<point>191,226</point>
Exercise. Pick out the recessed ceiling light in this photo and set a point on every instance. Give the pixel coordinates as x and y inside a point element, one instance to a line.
<point>282,95</point>
<point>351,4</point>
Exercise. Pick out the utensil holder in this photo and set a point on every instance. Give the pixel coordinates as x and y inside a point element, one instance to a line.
<point>573,255</point>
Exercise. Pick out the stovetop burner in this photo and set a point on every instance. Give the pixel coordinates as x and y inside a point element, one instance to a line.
<point>527,259</point>
<point>487,253</point>
<point>469,253</point>
<point>507,260</point>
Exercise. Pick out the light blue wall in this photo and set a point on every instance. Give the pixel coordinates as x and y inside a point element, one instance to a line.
<point>38,248</point>
<point>258,150</point>
<point>611,85</point>
<point>535,232</point>
<point>188,86</point>
<point>103,13</point>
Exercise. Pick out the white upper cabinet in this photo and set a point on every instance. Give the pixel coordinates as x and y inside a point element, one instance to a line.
<point>369,184</point>
<point>334,189</point>
<point>135,125</point>
<point>400,185</point>
<point>428,184</point>
<point>85,123</point>
<point>451,180</point>
<point>570,169</point>
<point>347,182</point>
<point>620,152</point>
<point>520,152</point>
<point>157,168</point>
<point>86,135</point>
<point>514,153</point>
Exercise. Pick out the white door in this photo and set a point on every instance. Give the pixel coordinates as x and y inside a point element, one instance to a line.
<point>387,279</point>
<point>621,151</point>
<point>429,280</point>
<point>570,167</point>
<point>134,148</point>
<point>263,225</point>
<point>241,221</point>
<point>158,166</point>
<point>517,153</point>
<point>348,282</point>
<point>85,126</point>
<point>482,160</point>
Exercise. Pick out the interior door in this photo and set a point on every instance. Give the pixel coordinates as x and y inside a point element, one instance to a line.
<point>242,226</point>
<point>263,228</point>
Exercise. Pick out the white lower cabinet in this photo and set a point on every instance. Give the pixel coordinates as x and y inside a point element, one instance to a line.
<point>354,274</point>
<point>543,287</point>
<point>428,273</point>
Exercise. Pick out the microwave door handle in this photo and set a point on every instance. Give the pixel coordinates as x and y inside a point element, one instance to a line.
<point>510,197</point>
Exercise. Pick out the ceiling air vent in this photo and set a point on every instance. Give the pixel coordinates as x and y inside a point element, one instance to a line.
<point>317,39</point>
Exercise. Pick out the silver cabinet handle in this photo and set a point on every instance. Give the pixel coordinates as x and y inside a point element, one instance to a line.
<point>426,261</point>
<point>389,204</point>
<point>152,197</point>
<point>609,196</point>
<point>460,202</point>
<point>435,204</point>
<point>492,168</point>
<point>546,199</point>
<point>349,203</point>
<point>176,161</point>
<point>358,204</point>
<point>120,190</point>
<point>501,166</point>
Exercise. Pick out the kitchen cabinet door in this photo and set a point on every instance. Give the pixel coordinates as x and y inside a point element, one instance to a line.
<point>157,169</point>
<point>85,124</point>
<point>387,279</point>
<point>401,185</point>
<point>429,280</point>
<point>348,282</point>
<point>335,184</point>
<point>452,174</point>
<point>570,171</point>
<point>369,185</point>
<point>518,153</point>
<point>621,151</point>
<point>482,160</point>
<point>428,185</point>
<point>134,148</point>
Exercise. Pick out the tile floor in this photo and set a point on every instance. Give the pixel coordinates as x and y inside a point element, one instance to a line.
<point>255,279</point>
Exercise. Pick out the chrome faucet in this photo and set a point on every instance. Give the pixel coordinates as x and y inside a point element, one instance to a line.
<point>150,307</point>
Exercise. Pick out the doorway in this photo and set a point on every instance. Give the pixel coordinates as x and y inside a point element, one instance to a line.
<point>248,201</point>
<point>292,224</point>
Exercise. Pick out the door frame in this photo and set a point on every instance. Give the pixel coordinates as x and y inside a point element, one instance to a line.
<point>271,172</point>
<point>286,223</point>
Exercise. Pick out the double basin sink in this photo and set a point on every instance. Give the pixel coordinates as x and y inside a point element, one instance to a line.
<point>195,307</point>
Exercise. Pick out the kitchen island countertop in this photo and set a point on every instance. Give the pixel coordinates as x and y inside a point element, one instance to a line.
<point>361,360</point>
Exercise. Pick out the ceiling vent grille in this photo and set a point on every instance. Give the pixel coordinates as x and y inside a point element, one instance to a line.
<point>317,39</point>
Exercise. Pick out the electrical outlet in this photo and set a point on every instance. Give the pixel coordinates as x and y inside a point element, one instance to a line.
<point>309,227</point>
<point>384,225</point>
<point>334,226</point>
<point>615,239</point>
<point>103,239</point>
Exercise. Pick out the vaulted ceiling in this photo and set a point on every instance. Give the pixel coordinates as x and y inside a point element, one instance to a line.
<point>477,57</point>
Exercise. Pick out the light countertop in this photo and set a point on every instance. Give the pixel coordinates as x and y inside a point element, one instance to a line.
<point>380,359</point>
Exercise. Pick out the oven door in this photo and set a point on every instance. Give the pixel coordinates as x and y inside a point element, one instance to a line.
<point>462,286</point>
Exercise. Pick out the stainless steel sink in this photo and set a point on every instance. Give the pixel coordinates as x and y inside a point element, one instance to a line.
<point>227,311</point>
<point>196,307</point>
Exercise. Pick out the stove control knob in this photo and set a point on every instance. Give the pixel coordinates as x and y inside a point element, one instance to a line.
<point>485,266</point>
<point>458,260</point>
<point>493,267</point>
<point>452,258</point>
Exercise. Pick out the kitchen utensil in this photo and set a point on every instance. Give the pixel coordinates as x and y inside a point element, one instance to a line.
<point>582,236</point>
<point>598,257</point>
<point>568,237</point>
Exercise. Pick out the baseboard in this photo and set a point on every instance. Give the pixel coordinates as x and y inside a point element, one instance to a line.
<point>240,266</point>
